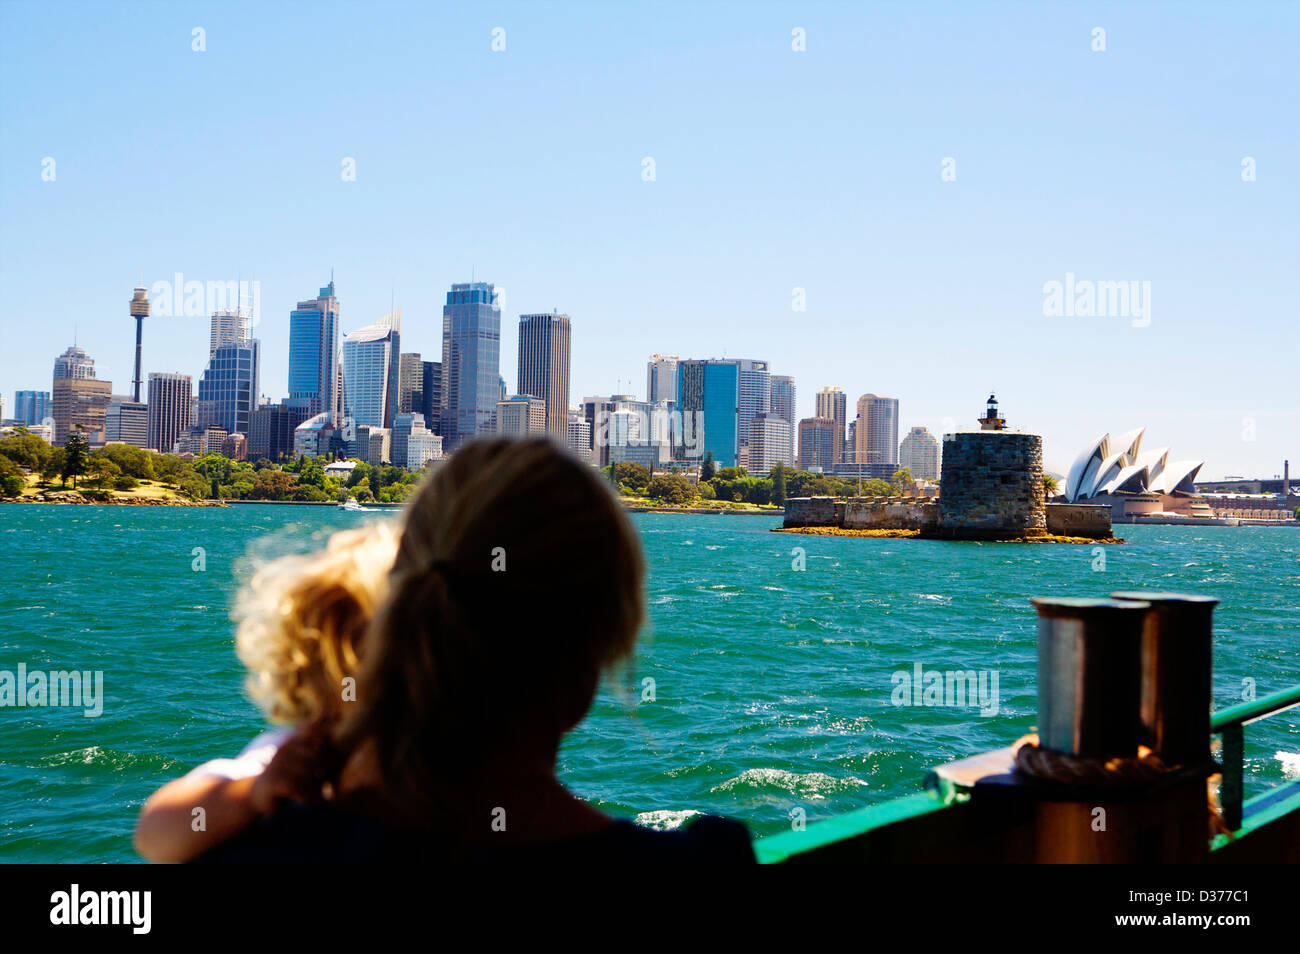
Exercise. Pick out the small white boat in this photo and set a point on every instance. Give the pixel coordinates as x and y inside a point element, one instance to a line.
<point>352,505</point>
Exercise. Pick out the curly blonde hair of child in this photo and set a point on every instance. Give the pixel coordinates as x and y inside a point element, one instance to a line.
<point>302,619</point>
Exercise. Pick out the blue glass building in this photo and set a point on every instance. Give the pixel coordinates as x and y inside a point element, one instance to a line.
<point>314,354</point>
<point>471,362</point>
<point>230,384</point>
<point>708,395</point>
<point>32,407</point>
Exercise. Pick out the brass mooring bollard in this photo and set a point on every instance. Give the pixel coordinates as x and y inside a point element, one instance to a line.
<point>1177,663</point>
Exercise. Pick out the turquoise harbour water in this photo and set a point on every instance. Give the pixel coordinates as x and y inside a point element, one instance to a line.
<point>772,686</point>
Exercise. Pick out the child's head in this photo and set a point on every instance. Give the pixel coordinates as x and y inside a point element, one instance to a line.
<point>517,581</point>
<point>302,619</point>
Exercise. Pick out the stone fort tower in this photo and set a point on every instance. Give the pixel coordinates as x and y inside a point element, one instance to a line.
<point>991,485</point>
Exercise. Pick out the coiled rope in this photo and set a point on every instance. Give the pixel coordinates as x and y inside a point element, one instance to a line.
<point>1116,774</point>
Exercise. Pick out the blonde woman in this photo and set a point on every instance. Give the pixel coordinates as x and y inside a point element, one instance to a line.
<point>302,619</point>
<point>517,584</point>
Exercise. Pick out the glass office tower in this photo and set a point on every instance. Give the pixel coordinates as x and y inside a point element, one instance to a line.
<point>314,354</point>
<point>471,362</point>
<point>230,383</point>
<point>708,395</point>
<point>371,372</point>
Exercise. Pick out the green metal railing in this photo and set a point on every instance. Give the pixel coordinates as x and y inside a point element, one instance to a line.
<point>1231,723</point>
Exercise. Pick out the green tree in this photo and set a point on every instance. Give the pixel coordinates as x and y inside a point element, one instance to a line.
<point>875,487</point>
<point>101,472</point>
<point>25,449</point>
<point>630,476</point>
<point>274,485</point>
<point>53,466</point>
<point>671,489</point>
<point>168,468</point>
<point>778,484</point>
<point>359,473</point>
<point>12,485</point>
<point>902,479</point>
<point>76,454</point>
<point>708,469</point>
<point>1049,485</point>
<point>130,460</point>
<point>194,485</point>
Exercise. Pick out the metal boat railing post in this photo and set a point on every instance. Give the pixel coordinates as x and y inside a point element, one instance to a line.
<point>1234,757</point>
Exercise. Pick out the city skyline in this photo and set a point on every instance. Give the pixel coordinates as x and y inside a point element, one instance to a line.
<point>777,185</point>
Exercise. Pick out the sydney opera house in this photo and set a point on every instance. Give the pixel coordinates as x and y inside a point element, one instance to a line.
<point>1134,482</point>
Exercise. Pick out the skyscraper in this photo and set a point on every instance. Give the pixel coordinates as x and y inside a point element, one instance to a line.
<point>80,404</point>
<point>769,443</point>
<point>431,395</point>
<point>817,444</point>
<point>314,354</point>
<point>404,425</point>
<point>127,422</point>
<point>523,415</point>
<point>919,452</point>
<point>709,400</point>
<point>544,367</point>
<point>832,404</point>
<point>661,378</point>
<point>139,311</point>
<point>227,327</point>
<point>79,401</point>
<point>755,395</point>
<point>229,386</point>
<point>74,363</point>
<point>580,435</point>
<point>271,429</point>
<point>877,433</point>
<point>595,411</point>
<point>471,362</point>
<point>372,372</point>
<point>32,407</point>
<point>783,403</point>
<point>171,401</point>
<point>410,384</point>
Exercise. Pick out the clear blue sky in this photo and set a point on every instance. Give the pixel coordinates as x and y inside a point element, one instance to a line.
<point>775,169</point>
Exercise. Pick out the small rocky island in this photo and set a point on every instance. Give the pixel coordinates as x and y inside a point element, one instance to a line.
<point>990,488</point>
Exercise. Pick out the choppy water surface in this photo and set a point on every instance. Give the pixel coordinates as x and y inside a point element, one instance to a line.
<point>772,686</point>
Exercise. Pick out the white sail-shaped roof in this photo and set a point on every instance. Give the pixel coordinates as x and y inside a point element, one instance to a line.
<point>1131,480</point>
<point>1177,478</point>
<point>1092,455</point>
<point>1109,469</point>
<point>1154,460</point>
<point>1129,445</point>
<point>1121,466</point>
